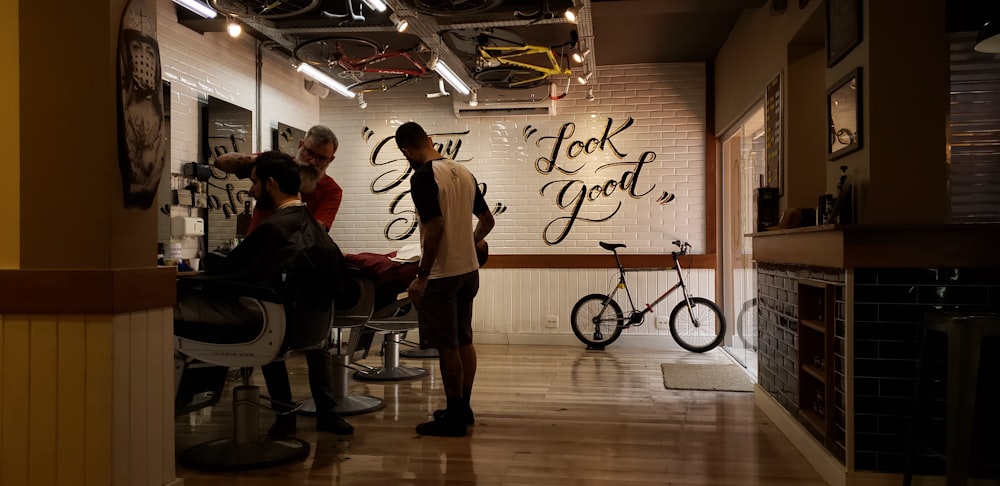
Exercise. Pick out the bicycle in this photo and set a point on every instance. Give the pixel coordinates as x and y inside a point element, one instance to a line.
<point>502,60</point>
<point>696,323</point>
<point>451,8</point>
<point>263,9</point>
<point>358,58</point>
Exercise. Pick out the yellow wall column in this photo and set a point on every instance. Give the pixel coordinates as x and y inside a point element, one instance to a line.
<point>86,321</point>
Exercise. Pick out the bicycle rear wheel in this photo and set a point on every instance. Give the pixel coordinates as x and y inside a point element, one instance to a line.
<point>594,327</point>
<point>699,330</point>
<point>330,51</point>
<point>384,83</point>
<point>264,9</point>
<point>509,78</point>
<point>449,8</point>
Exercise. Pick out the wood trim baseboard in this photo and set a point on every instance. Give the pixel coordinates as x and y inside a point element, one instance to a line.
<point>87,291</point>
<point>598,261</point>
<point>828,467</point>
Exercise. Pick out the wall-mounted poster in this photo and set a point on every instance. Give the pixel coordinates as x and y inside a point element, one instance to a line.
<point>843,29</point>
<point>141,133</point>
<point>227,128</point>
<point>286,139</point>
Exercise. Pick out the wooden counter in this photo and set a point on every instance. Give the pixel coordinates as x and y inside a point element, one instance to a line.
<point>881,246</point>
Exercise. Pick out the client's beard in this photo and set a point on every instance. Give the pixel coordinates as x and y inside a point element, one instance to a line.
<point>308,177</point>
<point>265,202</point>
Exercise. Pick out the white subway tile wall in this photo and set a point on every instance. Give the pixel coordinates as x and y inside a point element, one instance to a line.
<point>653,113</point>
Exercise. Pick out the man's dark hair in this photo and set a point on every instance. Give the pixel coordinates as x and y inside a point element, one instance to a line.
<point>410,135</point>
<point>282,168</point>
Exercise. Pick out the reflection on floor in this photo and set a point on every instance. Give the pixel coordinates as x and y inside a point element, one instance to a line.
<point>545,415</point>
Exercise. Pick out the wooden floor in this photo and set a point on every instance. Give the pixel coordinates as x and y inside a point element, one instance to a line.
<point>545,415</point>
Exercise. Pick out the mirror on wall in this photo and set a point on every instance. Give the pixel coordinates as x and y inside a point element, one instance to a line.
<point>225,128</point>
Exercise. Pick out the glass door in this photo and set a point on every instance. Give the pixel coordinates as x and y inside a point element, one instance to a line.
<point>743,169</point>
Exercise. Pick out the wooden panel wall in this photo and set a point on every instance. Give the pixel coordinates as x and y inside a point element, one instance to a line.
<point>87,399</point>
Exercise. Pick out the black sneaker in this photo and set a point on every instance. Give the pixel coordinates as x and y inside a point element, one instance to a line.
<point>284,426</point>
<point>334,424</point>
<point>470,418</point>
<point>443,428</point>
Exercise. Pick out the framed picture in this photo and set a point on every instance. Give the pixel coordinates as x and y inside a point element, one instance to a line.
<point>843,29</point>
<point>286,139</point>
<point>844,115</point>
<point>772,132</point>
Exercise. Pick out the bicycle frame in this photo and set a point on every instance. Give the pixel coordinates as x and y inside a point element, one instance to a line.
<point>636,316</point>
<point>370,64</point>
<point>507,55</point>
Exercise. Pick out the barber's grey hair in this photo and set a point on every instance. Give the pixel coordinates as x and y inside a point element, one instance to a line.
<point>322,135</point>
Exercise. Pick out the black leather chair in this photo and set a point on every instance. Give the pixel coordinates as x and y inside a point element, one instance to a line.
<point>286,324</point>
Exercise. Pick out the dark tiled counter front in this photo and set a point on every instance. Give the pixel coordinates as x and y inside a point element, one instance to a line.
<point>885,278</point>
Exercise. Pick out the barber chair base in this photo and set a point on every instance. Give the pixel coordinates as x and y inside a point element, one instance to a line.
<point>352,404</point>
<point>419,353</point>
<point>227,455</point>
<point>396,373</point>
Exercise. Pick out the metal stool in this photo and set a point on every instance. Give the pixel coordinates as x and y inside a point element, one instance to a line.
<point>964,334</point>
<point>394,320</point>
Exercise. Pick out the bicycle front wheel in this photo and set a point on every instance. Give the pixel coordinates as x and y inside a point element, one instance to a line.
<point>593,323</point>
<point>264,9</point>
<point>449,8</point>
<point>341,52</point>
<point>509,78</point>
<point>700,328</point>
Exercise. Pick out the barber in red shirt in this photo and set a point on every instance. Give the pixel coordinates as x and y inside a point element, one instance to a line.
<point>321,194</point>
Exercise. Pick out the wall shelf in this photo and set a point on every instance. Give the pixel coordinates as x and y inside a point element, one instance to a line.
<point>815,359</point>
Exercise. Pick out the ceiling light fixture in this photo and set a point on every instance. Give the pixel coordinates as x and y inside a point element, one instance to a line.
<point>198,8</point>
<point>378,5</point>
<point>988,40</point>
<point>445,72</point>
<point>474,100</point>
<point>570,15</point>
<point>400,23</point>
<point>361,101</point>
<point>579,56</point>
<point>324,79</point>
<point>584,78</point>
<point>233,27</point>
<point>590,94</point>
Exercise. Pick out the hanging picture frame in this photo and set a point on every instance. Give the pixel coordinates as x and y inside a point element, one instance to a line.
<point>772,135</point>
<point>843,29</point>
<point>843,101</point>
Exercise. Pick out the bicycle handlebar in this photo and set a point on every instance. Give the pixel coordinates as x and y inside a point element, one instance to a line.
<point>683,245</point>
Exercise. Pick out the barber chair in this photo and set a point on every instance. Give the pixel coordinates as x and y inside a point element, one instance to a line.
<point>352,323</point>
<point>259,343</point>
<point>394,320</point>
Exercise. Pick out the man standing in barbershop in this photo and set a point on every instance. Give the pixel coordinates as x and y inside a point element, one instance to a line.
<point>320,193</point>
<point>289,241</point>
<point>446,196</point>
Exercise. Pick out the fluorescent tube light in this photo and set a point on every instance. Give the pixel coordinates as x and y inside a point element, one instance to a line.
<point>198,8</point>
<point>450,76</point>
<point>324,79</point>
<point>375,5</point>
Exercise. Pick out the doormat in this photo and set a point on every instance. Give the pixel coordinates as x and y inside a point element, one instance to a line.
<point>706,376</point>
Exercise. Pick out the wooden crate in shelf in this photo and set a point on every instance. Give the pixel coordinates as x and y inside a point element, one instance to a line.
<point>815,359</point>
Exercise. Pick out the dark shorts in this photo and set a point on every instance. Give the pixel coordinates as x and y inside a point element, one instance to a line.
<point>445,311</point>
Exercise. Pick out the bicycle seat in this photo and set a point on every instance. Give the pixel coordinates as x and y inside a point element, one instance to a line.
<point>612,246</point>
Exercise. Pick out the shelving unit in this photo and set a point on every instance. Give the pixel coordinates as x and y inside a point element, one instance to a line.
<point>816,342</point>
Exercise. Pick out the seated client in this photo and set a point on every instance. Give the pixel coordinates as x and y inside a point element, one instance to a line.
<point>288,243</point>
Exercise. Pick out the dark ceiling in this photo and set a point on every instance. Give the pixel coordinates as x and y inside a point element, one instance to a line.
<point>624,31</point>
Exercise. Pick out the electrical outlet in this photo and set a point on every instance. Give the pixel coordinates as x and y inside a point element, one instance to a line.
<point>662,322</point>
<point>551,322</point>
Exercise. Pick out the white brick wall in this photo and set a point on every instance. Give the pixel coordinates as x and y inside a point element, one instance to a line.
<point>214,64</point>
<point>667,103</point>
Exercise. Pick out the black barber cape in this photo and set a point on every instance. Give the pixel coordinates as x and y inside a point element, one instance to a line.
<point>288,252</point>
